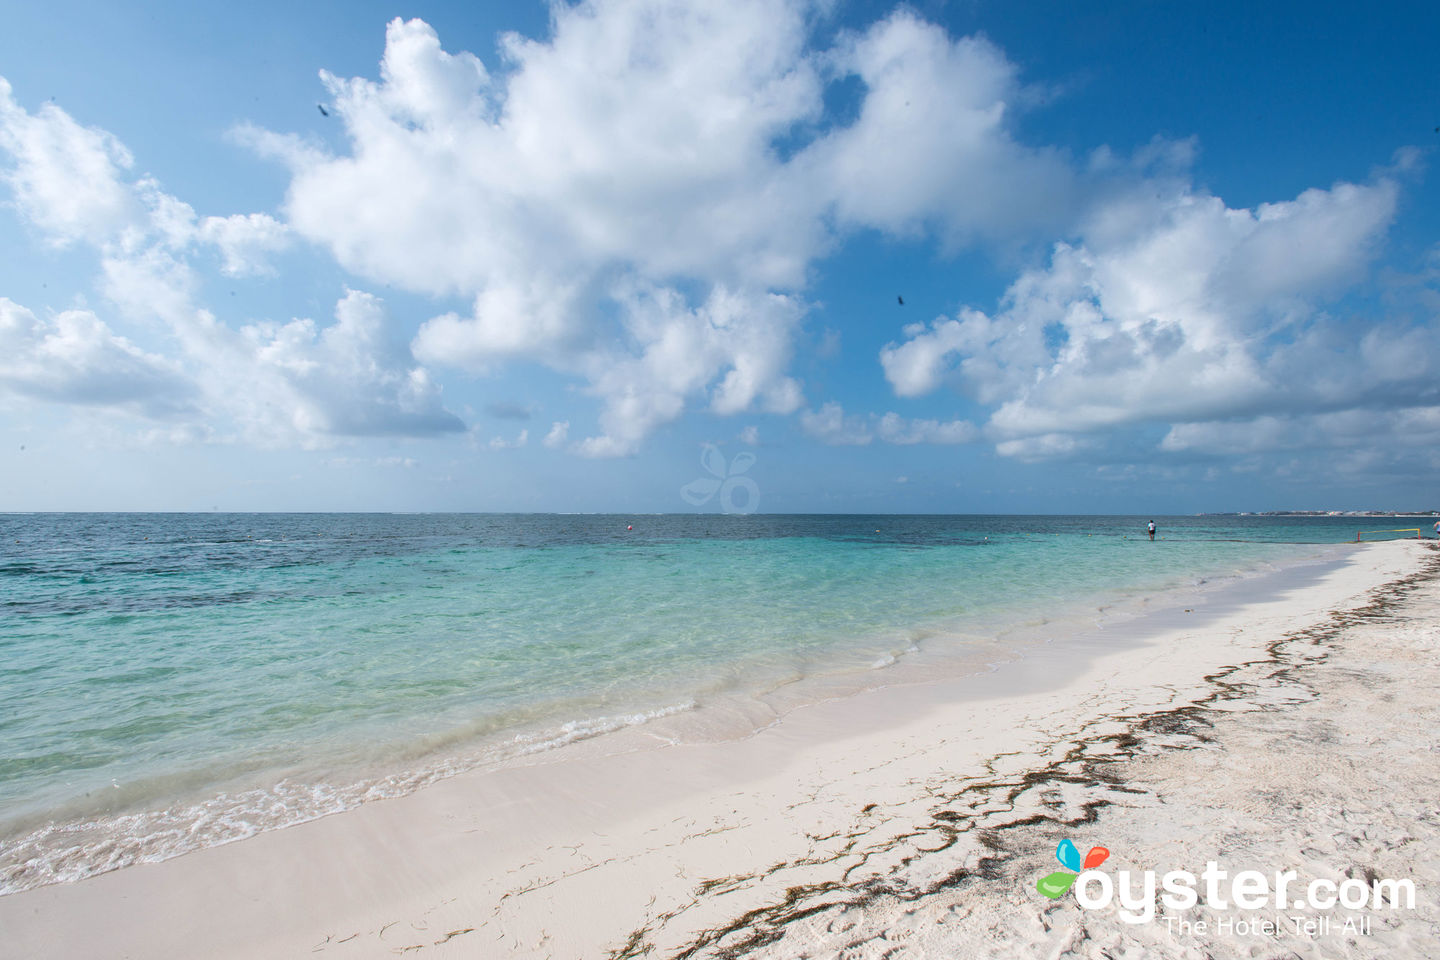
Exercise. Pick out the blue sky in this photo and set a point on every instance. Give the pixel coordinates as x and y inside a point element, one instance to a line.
<point>1154,257</point>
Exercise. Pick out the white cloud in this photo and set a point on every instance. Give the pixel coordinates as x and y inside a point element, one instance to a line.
<point>1047,446</point>
<point>66,178</point>
<point>423,82</point>
<point>509,318</point>
<point>245,241</point>
<point>893,428</point>
<point>931,145</point>
<point>1404,427</point>
<point>307,382</point>
<point>346,379</point>
<point>830,425</point>
<point>151,286</point>
<point>639,149</point>
<point>917,366</point>
<point>733,350</point>
<point>73,183</point>
<point>1171,309</point>
<point>293,382</point>
<point>1263,434</point>
<point>750,435</point>
<point>636,135</point>
<point>559,431</point>
<point>75,358</point>
<point>520,439</point>
<point>1361,444</point>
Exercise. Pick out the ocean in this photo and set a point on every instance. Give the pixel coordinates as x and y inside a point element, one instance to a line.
<point>172,681</point>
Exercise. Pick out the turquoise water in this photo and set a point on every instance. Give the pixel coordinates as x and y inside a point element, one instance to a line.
<point>177,680</point>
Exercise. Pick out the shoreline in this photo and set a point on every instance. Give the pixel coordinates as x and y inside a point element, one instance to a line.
<point>561,857</point>
<point>74,841</point>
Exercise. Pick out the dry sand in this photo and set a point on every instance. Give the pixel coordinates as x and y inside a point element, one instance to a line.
<point>1297,731</point>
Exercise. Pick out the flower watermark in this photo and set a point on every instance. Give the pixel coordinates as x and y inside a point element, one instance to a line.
<point>1057,884</point>
<point>726,479</point>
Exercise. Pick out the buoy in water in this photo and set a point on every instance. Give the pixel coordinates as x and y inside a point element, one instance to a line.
<point>629,526</point>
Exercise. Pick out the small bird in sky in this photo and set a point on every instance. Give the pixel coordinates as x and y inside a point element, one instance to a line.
<point>901,300</point>
<point>321,108</point>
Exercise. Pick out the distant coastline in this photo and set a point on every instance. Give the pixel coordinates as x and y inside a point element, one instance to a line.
<point>1327,513</point>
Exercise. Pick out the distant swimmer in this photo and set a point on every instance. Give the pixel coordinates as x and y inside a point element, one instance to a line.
<point>1437,522</point>
<point>1151,529</point>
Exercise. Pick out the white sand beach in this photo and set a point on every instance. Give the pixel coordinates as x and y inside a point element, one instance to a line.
<point>1292,728</point>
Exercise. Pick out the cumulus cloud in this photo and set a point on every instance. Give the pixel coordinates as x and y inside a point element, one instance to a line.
<point>1408,426</point>
<point>1172,309</point>
<point>519,440</point>
<point>680,150</point>
<point>732,350</point>
<point>73,183</point>
<point>559,432</point>
<point>917,366</point>
<point>76,358</point>
<point>294,382</point>
<point>830,424</point>
<point>1362,443</point>
<point>636,136</point>
<point>245,241</point>
<point>276,382</point>
<point>893,428</point>
<point>67,179</point>
<point>346,379</point>
<point>1047,446</point>
<point>931,145</point>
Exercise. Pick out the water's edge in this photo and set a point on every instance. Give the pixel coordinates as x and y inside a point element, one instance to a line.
<point>67,849</point>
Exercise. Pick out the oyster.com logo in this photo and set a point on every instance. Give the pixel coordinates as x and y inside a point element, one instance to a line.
<point>1136,894</point>
<point>1057,884</point>
<point>726,479</point>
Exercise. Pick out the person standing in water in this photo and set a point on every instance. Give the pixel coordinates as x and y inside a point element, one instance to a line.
<point>1151,529</point>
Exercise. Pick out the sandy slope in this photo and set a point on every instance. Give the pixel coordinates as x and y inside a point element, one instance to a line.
<point>1323,757</point>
